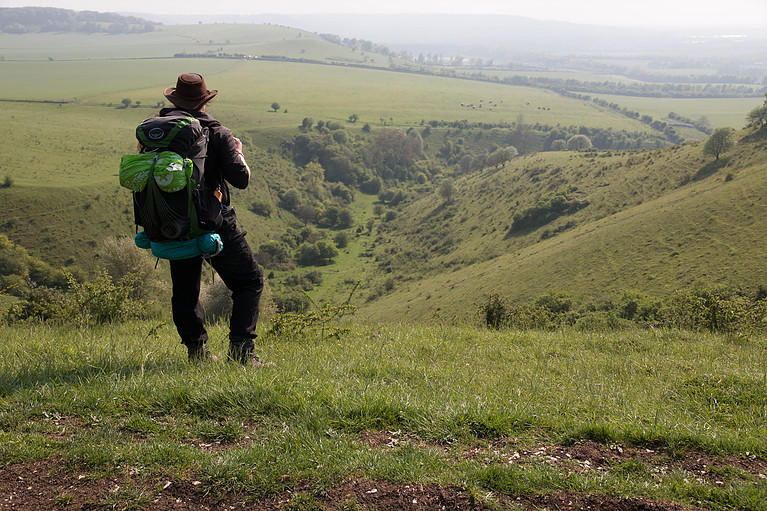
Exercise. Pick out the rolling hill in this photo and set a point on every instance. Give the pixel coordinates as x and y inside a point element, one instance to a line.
<point>652,220</point>
<point>655,222</point>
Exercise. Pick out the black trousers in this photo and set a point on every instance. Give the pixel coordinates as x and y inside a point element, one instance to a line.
<point>239,271</point>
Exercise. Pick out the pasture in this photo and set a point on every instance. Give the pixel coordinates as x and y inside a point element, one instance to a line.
<point>166,41</point>
<point>720,112</point>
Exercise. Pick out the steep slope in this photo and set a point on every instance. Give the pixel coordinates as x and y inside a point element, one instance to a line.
<point>655,222</point>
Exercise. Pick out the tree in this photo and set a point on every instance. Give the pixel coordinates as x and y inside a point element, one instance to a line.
<point>326,250</point>
<point>501,156</point>
<point>307,213</point>
<point>447,189</point>
<point>720,141</point>
<point>341,239</point>
<point>306,124</point>
<point>394,148</point>
<point>558,145</point>
<point>578,143</point>
<point>308,254</point>
<point>353,118</point>
<point>758,116</point>
<point>126,102</point>
<point>465,163</point>
<point>523,135</point>
<point>290,199</point>
<point>275,106</point>
<point>344,220</point>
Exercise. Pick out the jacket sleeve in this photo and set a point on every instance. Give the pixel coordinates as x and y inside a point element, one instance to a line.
<point>231,162</point>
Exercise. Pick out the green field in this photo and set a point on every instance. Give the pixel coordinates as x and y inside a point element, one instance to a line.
<point>167,41</point>
<point>719,112</point>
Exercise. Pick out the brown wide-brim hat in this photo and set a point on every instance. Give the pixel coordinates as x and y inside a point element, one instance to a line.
<point>190,92</point>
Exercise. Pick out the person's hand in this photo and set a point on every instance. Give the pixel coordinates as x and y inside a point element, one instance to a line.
<point>238,144</point>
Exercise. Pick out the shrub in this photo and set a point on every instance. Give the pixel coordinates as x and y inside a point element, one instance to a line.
<point>341,240</point>
<point>714,310</point>
<point>547,210</point>
<point>291,302</point>
<point>121,259</point>
<point>495,311</point>
<point>99,300</point>
<point>41,303</point>
<point>260,207</point>
<point>216,300</point>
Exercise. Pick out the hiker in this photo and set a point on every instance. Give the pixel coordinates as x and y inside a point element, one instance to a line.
<point>235,263</point>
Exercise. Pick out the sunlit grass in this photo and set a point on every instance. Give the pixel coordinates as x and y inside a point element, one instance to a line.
<point>125,396</point>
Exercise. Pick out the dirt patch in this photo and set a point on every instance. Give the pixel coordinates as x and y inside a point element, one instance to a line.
<point>592,456</point>
<point>46,485</point>
<point>51,484</point>
<point>386,496</point>
<point>571,502</point>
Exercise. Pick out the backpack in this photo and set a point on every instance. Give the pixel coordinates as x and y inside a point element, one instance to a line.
<point>170,200</point>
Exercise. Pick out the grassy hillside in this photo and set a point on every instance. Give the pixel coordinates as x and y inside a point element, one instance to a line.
<point>75,147</point>
<point>166,41</point>
<point>62,97</point>
<point>656,222</point>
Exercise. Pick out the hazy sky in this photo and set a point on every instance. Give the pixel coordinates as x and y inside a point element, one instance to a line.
<point>653,13</point>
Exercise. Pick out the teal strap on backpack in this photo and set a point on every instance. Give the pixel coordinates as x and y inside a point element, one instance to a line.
<point>207,245</point>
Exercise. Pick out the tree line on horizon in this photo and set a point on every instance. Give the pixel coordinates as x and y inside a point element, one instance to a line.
<point>23,20</point>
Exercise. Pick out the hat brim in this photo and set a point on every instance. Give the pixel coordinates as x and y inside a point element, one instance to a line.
<point>196,104</point>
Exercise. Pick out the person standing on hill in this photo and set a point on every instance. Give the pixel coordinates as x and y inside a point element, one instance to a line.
<point>235,264</point>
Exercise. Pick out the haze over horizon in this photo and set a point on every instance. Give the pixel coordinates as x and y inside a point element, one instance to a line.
<point>704,14</point>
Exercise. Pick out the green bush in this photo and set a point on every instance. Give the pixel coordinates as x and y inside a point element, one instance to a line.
<point>703,309</point>
<point>91,302</point>
<point>260,207</point>
<point>291,302</point>
<point>495,311</point>
<point>547,210</point>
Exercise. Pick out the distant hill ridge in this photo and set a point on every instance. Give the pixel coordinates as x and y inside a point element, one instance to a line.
<point>22,20</point>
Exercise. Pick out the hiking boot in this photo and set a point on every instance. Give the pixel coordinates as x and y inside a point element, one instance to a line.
<point>255,361</point>
<point>246,357</point>
<point>198,354</point>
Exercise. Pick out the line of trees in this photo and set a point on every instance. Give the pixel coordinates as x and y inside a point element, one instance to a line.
<point>24,20</point>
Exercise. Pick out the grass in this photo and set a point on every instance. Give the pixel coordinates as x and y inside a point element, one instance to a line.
<point>720,113</point>
<point>166,41</point>
<point>114,400</point>
<point>656,222</point>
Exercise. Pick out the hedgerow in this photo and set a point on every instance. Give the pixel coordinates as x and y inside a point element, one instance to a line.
<point>711,309</point>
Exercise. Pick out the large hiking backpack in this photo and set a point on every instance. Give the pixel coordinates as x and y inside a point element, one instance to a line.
<point>170,200</point>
